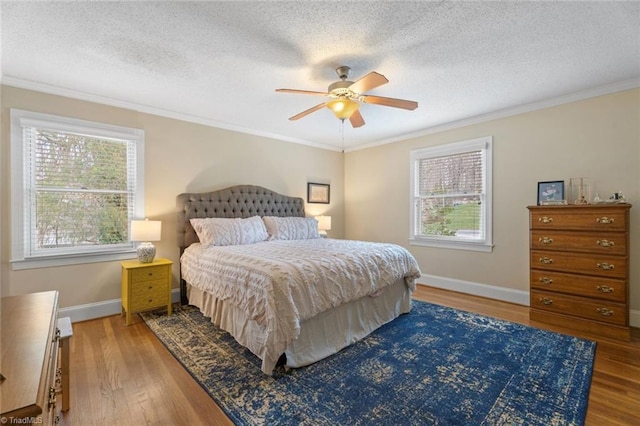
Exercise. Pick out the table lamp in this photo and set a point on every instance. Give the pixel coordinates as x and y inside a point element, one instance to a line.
<point>324,225</point>
<point>146,231</point>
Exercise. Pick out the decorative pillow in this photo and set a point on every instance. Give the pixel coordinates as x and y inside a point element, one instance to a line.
<point>228,232</point>
<point>291,228</point>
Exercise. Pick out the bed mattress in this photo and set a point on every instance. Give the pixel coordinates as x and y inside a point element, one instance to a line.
<point>269,289</point>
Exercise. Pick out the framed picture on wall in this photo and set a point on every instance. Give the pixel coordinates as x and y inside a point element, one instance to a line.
<point>318,193</point>
<point>551,192</point>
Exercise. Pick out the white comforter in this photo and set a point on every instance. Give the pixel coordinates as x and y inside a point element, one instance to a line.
<point>281,283</point>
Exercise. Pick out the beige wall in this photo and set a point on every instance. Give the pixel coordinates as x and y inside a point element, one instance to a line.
<point>597,138</point>
<point>180,157</point>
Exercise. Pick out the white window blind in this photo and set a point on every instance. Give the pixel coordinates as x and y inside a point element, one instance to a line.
<point>451,195</point>
<point>80,185</point>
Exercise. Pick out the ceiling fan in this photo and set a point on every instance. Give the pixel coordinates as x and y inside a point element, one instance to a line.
<point>346,97</point>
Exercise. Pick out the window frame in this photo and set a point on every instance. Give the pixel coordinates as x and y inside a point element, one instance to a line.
<point>21,175</point>
<point>484,144</point>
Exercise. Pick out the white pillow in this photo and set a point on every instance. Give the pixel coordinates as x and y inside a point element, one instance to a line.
<point>229,232</point>
<point>291,228</point>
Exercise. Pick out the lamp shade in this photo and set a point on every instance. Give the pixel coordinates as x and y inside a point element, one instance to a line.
<point>146,230</point>
<point>343,107</point>
<point>324,223</point>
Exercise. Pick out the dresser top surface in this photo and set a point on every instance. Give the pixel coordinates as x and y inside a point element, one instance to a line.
<point>583,206</point>
<point>26,326</point>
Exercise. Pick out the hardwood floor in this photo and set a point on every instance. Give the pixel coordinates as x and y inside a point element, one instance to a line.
<point>125,376</point>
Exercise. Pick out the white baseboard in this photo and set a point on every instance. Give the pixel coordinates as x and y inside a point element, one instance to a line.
<point>101,309</point>
<point>634,318</point>
<point>519,297</point>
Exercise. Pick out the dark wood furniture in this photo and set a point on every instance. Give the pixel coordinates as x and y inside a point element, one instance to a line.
<point>579,259</point>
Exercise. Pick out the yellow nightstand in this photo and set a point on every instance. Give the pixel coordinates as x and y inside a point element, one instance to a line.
<point>145,286</point>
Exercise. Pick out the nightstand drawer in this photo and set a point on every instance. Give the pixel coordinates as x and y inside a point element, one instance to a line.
<point>149,273</point>
<point>148,295</point>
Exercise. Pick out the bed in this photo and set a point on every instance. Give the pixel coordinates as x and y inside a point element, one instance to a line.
<point>287,295</point>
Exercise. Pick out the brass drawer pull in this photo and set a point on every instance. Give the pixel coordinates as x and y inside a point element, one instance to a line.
<point>605,289</point>
<point>52,396</point>
<point>545,240</point>
<point>605,220</point>
<point>545,280</point>
<point>545,219</point>
<point>605,266</point>
<point>546,301</point>
<point>605,243</point>
<point>546,260</point>
<point>605,312</point>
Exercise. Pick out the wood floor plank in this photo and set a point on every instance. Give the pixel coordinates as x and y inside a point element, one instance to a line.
<point>124,375</point>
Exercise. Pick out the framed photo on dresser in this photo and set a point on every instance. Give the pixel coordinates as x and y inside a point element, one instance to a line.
<point>551,193</point>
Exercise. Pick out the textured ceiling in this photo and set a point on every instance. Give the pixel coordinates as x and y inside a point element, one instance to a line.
<point>219,63</point>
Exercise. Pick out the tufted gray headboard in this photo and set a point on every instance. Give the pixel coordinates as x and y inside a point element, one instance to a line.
<point>235,201</point>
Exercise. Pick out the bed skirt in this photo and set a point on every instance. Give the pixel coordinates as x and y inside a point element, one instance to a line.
<point>320,336</point>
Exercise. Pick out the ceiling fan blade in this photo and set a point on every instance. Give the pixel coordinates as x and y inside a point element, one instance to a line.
<point>307,112</point>
<point>368,82</point>
<point>356,119</point>
<point>391,102</point>
<point>302,92</point>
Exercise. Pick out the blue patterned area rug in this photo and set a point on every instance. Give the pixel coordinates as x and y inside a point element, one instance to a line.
<point>433,366</point>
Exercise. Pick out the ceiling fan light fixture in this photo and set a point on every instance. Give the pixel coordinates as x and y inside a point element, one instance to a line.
<point>343,107</point>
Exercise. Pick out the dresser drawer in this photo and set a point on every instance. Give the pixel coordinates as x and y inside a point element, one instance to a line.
<point>588,264</point>
<point>149,294</point>
<point>608,289</point>
<point>609,312</point>
<point>590,242</point>
<point>149,273</point>
<point>578,218</point>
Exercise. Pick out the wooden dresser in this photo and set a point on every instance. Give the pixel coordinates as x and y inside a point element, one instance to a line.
<point>29,359</point>
<point>579,259</point>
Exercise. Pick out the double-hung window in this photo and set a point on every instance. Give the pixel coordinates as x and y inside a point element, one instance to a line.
<point>76,185</point>
<point>451,195</point>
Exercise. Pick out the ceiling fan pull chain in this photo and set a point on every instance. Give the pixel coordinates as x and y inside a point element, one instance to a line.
<point>342,134</point>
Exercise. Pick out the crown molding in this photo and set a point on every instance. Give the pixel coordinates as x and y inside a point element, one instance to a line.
<point>620,86</point>
<point>494,115</point>
<point>104,100</point>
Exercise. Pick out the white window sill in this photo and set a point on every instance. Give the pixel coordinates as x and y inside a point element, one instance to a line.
<point>454,245</point>
<point>78,259</point>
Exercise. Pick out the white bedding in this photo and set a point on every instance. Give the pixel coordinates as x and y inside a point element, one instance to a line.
<point>279,284</point>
